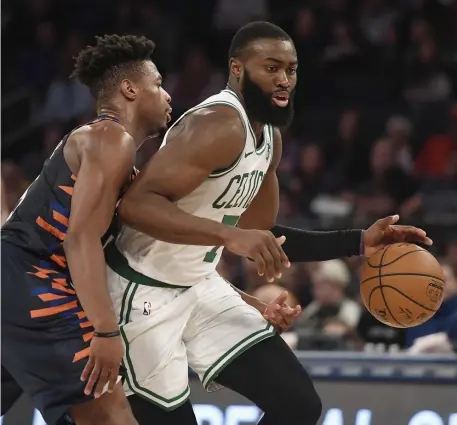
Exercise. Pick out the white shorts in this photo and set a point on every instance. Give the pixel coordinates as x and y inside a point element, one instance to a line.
<point>166,330</point>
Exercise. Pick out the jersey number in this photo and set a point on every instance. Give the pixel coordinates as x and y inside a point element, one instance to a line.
<point>229,220</point>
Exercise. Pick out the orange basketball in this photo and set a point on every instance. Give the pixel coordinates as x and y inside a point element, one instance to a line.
<point>402,285</point>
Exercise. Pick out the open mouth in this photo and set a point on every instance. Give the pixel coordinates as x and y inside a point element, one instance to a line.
<point>168,116</point>
<point>281,99</point>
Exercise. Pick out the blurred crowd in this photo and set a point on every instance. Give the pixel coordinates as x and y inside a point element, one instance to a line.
<point>375,129</point>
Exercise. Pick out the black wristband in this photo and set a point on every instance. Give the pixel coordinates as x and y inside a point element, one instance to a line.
<point>305,245</point>
<point>107,334</point>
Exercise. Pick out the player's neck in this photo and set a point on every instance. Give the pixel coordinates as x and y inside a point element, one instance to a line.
<point>127,121</point>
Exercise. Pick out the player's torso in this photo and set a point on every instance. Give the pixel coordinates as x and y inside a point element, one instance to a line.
<point>39,223</point>
<point>222,197</point>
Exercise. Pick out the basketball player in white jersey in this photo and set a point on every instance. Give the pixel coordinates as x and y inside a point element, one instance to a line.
<point>212,182</point>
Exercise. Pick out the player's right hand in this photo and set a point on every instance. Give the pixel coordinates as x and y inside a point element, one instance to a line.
<point>103,365</point>
<point>262,247</point>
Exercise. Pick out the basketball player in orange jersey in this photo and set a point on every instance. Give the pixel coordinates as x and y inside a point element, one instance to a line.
<point>60,334</point>
<point>213,184</point>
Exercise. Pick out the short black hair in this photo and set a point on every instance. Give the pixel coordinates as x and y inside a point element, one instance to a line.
<point>113,57</point>
<point>255,31</point>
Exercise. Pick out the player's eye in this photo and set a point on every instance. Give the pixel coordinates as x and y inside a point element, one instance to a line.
<point>292,71</point>
<point>272,68</point>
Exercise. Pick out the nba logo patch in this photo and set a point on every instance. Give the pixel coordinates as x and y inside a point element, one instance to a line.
<point>147,308</point>
<point>268,151</point>
<point>435,291</point>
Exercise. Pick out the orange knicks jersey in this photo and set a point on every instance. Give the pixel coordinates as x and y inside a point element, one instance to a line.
<point>38,226</point>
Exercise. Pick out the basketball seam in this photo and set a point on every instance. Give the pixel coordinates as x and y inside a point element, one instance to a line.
<point>381,288</point>
<point>369,297</point>
<point>402,274</point>
<point>395,259</point>
<point>409,298</point>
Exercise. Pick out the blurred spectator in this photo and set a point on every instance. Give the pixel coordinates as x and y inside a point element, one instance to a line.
<point>162,29</point>
<point>434,155</point>
<point>376,19</point>
<point>437,198</point>
<point>399,130</point>
<point>198,70</point>
<point>376,334</point>
<point>347,154</point>
<point>329,284</point>
<point>306,39</point>
<point>38,63</point>
<point>66,98</point>
<point>445,319</point>
<point>232,14</point>
<point>388,186</point>
<point>342,47</point>
<point>311,177</point>
<point>427,81</point>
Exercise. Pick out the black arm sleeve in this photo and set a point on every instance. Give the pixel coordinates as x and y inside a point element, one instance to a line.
<point>306,245</point>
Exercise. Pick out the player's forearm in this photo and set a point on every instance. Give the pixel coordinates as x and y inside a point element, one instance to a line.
<point>161,219</point>
<point>87,266</point>
<point>305,245</point>
<point>249,299</point>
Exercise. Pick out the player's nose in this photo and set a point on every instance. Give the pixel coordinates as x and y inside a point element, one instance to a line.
<point>167,97</point>
<point>283,81</point>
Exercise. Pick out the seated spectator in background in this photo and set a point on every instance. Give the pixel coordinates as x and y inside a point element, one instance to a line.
<point>389,184</point>
<point>66,99</point>
<point>434,155</point>
<point>338,329</point>
<point>329,299</point>
<point>399,130</point>
<point>38,61</point>
<point>342,51</point>
<point>346,152</point>
<point>427,80</point>
<point>376,18</point>
<point>437,198</point>
<point>445,319</point>
<point>311,178</point>
<point>372,332</point>
<point>195,81</point>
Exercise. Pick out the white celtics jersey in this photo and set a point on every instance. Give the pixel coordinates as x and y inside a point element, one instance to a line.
<point>222,197</point>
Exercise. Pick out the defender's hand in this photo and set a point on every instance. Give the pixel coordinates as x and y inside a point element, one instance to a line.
<point>103,366</point>
<point>262,247</point>
<point>385,232</point>
<point>280,314</point>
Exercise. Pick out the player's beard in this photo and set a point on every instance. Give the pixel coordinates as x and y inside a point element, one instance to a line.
<point>260,107</point>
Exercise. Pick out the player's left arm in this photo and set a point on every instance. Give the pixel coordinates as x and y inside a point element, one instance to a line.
<point>305,245</point>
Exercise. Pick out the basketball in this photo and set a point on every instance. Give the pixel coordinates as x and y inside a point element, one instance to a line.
<point>402,285</point>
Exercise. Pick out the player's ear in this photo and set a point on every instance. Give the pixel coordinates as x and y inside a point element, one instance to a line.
<point>236,68</point>
<point>129,90</point>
